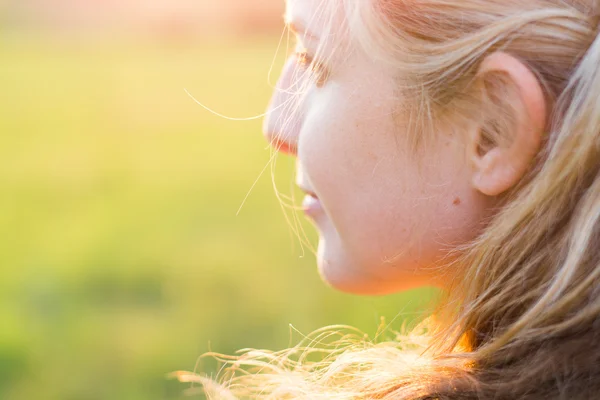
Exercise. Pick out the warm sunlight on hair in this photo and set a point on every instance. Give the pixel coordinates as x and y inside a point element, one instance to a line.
<point>446,143</point>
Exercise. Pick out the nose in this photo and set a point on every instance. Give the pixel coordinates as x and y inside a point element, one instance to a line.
<point>282,122</point>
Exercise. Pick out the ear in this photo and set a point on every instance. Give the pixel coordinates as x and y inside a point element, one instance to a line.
<point>505,141</point>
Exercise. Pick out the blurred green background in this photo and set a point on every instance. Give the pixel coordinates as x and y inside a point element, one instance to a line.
<point>122,254</point>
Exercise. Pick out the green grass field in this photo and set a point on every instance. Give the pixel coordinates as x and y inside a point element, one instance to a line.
<point>122,257</point>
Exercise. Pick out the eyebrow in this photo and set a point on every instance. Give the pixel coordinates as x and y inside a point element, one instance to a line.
<point>298,29</point>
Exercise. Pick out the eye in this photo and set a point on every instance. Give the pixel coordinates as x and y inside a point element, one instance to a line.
<point>319,71</point>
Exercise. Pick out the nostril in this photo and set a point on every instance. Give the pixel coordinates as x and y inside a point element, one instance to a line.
<point>283,146</point>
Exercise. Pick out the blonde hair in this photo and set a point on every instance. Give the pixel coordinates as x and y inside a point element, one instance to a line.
<point>522,318</point>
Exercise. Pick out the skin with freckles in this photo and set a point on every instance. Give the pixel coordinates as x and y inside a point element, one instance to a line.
<point>386,218</point>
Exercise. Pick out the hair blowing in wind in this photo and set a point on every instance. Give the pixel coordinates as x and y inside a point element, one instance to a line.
<point>521,319</point>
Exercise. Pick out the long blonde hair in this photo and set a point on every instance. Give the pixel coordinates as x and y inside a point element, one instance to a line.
<point>522,317</point>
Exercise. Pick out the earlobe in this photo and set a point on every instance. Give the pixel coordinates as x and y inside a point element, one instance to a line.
<point>495,174</point>
<point>504,144</point>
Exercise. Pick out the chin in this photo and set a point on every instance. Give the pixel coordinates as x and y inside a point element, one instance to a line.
<point>342,271</point>
<point>338,270</point>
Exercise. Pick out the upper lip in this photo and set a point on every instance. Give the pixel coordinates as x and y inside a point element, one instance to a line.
<point>303,182</point>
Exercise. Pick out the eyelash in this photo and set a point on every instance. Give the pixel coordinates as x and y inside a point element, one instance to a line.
<point>320,73</point>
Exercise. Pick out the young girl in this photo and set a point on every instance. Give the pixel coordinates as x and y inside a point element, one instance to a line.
<point>453,143</point>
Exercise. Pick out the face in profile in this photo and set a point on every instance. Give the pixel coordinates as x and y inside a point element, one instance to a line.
<point>387,217</point>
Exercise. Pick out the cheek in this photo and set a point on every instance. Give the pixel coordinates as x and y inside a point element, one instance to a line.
<point>353,160</point>
<point>390,214</point>
<point>418,208</point>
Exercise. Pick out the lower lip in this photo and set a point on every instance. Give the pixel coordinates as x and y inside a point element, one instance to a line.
<point>312,206</point>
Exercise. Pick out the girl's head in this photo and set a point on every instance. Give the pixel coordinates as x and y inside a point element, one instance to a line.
<point>423,126</point>
<point>454,143</point>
